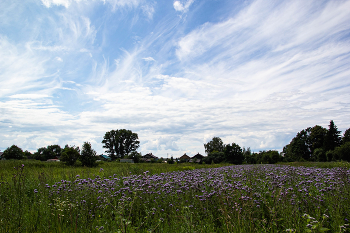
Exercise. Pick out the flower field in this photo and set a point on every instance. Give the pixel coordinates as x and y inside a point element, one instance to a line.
<point>246,198</point>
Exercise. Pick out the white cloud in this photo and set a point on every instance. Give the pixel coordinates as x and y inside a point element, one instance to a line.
<point>178,6</point>
<point>148,59</point>
<point>49,3</point>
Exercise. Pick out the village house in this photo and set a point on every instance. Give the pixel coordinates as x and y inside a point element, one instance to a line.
<point>197,158</point>
<point>185,158</point>
<point>148,157</point>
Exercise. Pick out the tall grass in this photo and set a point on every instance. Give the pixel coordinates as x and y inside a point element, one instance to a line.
<point>114,197</point>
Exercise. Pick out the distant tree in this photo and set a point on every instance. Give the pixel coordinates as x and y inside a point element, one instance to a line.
<point>342,152</point>
<point>215,144</point>
<point>171,160</point>
<point>320,155</point>
<point>27,154</point>
<point>49,152</point>
<point>317,137</point>
<point>136,156</point>
<point>300,146</point>
<point>120,143</point>
<point>88,155</point>
<point>233,154</point>
<point>13,152</point>
<point>70,155</point>
<point>333,138</point>
<point>346,136</point>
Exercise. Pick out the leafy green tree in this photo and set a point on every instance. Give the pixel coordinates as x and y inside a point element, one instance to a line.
<point>215,144</point>
<point>346,137</point>
<point>136,156</point>
<point>70,155</point>
<point>343,152</point>
<point>317,137</point>
<point>320,155</point>
<point>88,155</point>
<point>333,138</point>
<point>13,152</point>
<point>300,146</point>
<point>119,143</point>
<point>27,154</point>
<point>233,154</point>
<point>49,152</point>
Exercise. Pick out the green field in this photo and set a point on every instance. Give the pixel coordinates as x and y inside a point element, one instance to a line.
<point>113,197</point>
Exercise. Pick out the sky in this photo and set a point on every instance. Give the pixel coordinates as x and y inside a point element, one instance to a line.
<point>177,73</point>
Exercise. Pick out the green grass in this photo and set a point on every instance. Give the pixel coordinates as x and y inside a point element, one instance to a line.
<point>173,197</point>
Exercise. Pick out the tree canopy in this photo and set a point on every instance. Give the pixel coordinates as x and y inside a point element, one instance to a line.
<point>88,155</point>
<point>13,152</point>
<point>120,143</point>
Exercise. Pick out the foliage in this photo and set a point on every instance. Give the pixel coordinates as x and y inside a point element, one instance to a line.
<point>137,198</point>
<point>320,155</point>
<point>136,156</point>
<point>346,136</point>
<point>87,155</point>
<point>215,144</point>
<point>119,143</point>
<point>333,138</point>
<point>342,152</point>
<point>49,152</point>
<point>70,155</point>
<point>13,152</point>
<point>233,154</point>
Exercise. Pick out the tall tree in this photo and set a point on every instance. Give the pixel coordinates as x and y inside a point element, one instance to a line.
<point>233,153</point>
<point>13,152</point>
<point>300,146</point>
<point>88,155</point>
<point>346,136</point>
<point>333,138</point>
<point>317,137</point>
<point>70,155</point>
<point>119,143</point>
<point>215,144</point>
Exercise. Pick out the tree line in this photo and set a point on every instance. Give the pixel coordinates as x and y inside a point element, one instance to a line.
<point>311,144</point>
<point>319,144</point>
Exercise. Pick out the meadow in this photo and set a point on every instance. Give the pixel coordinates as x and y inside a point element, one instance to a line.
<point>113,197</point>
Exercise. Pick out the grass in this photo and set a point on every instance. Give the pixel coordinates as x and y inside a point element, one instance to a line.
<point>115,197</point>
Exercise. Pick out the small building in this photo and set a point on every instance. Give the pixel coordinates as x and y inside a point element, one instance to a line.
<point>104,158</point>
<point>1,155</point>
<point>148,157</point>
<point>184,158</point>
<point>196,158</point>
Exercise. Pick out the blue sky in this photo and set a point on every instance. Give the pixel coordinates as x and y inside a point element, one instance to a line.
<point>177,73</point>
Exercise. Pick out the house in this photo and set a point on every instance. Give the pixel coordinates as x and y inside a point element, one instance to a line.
<point>197,158</point>
<point>1,155</point>
<point>148,157</point>
<point>184,158</point>
<point>104,157</point>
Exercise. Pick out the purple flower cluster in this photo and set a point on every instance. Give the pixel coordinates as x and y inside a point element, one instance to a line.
<point>205,189</point>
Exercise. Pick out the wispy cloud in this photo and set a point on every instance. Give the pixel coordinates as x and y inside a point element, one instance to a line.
<point>182,7</point>
<point>254,76</point>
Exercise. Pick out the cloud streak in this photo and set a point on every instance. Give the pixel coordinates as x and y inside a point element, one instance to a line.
<point>255,75</point>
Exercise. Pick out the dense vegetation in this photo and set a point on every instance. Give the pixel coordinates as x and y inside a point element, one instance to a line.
<point>114,197</point>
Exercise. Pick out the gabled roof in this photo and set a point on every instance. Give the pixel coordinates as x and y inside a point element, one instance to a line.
<point>198,156</point>
<point>184,157</point>
<point>105,157</point>
<point>149,156</point>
